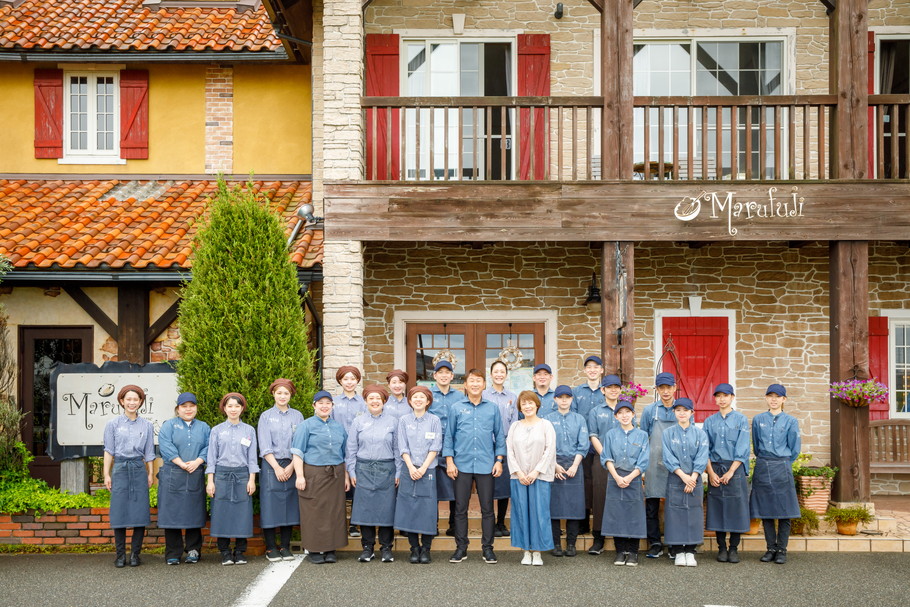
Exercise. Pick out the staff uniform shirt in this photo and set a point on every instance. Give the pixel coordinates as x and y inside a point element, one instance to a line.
<point>584,399</point>
<point>417,436</point>
<point>276,430</point>
<point>664,414</point>
<point>728,437</point>
<point>319,442</point>
<point>601,420</point>
<point>571,434</point>
<point>473,437</point>
<point>627,449</point>
<point>442,402</point>
<point>508,409</point>
<point>395,407</point>
<point>776,435</point>
<point>686,449</point>
<point>346,409</point>
<point>232,446</point>
<point>130,438</point>
<point>188,441</point>
<point>373,437</point>
<point>547,402</point>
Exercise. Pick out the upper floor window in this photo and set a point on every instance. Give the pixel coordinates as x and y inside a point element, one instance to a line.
<point>899,379</point>
<point>91,112</point>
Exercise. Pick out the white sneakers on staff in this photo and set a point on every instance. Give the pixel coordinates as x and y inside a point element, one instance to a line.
<point>680,560</point>
<point>536,559</point>
<point>527,559</point>
<point>690,560</point>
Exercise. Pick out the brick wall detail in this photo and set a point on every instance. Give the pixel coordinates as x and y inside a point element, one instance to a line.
<point>219,119</point>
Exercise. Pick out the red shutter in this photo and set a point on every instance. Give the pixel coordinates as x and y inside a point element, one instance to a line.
<point>701,347</point>
<point>48,113</point>
<point>871,110</point>
<point>533,81</point>
<point>382,81</point>
<point>878,362</point>
<point>134,114</point>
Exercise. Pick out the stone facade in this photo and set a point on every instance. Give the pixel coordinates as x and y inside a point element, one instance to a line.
<point>890,484</point>
<point>219,119</point>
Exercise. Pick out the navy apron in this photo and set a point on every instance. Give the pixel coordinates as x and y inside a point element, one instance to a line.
<point>232,507</point>
<point>656,477</point>
<point>773,489</point>
<point>277,501</point>
<point>502,487</point>
<point>728,508</point>
<point>624,509</point>
<point>129,494</point>
<point>374,502</point>
<point>181,497</point>
<point>416,508</point>
<point>445,489</point>
<point>567,497</point>
<point>684,518</point>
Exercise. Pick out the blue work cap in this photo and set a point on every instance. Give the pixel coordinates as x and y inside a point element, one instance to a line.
<point>776,389</point>
<point>563,391</point>
<point>684,402</point>
<point>186,397</point>
<point>443,364</point>
<point>322,394</point>
<point>594,359</point>
<point>724,389</point>
<point>624,404</point>
<point>611,380</point>
<point>543,367</point>
<point>665,379</point>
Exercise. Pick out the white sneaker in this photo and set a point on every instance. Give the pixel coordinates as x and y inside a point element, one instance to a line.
<point>690,560</point>
<point>680,560</point>
<point>536,560</point>
<point>526,559</point>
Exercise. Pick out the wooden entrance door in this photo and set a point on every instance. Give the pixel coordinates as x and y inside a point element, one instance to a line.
<point>39,349</point>
<point>474,345</point>
<point>702,349</point>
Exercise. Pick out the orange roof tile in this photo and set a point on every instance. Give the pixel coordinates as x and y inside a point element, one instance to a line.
<point>81,225</point>
<point>127,25</point>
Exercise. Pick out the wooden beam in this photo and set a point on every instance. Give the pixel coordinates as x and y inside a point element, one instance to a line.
<point>598,4</point>
<point>616,87</point>
<point>132,321</point>
<point>93,310</point>
<point>849,351</point>
<point>635,3</point>
<point>848,79</point>
<point>617,319</point>
<point>164,321</point>
<point>830,5</point>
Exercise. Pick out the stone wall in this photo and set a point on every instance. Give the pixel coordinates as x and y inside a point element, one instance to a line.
<point>890,484</point>
<point>219,119</point>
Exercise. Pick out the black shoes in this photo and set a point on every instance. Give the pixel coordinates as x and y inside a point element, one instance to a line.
<point>501,530</point>
<point>597,547</point>
<point>273,556</point>
<point>367,555</point>
<point>415,556</point>
<point>722,555</point>
<point>733,556</point>
<point>557,549</point>
<point>489,556</point>
<point>120,561</point>
<point>768,556</point>
<point>570,550</point>
<point>655,551</point>
<point>239,558</point>
<point>450,531</point>
<point>227,558</point>
<point>317,558</point>
<point>286,554</point>
<point>459,555</point>
<point>330,557</point>
<point>781,557</point>
<point>632,559</point>
<point>386,555</point>
<point>354,531</point>
<point>425,556</point>
<point>134,560</point>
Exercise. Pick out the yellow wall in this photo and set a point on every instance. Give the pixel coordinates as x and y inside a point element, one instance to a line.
<point>272,119</point>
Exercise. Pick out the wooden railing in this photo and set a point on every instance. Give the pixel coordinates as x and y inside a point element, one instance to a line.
<point>783,137</point>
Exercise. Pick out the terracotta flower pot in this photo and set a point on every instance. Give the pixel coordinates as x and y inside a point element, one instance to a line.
<point>814,493</point>
<point>847,528</point>
<point>754,526</point>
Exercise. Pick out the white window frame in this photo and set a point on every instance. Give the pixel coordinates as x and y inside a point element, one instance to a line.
<point>92,155</point>
<point>895,318</point>
<point>884,33</point>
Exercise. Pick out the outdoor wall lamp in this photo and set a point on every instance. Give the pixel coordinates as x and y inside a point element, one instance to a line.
<point>305,219</point>
<point>592,303</point>
<point>559,11</point>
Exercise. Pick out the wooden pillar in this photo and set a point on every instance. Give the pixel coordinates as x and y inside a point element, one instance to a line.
<point>616,87</point>
<point>848,79</point>
<point>849,300</point>
<point>132,323</point>
<point>618,309</point>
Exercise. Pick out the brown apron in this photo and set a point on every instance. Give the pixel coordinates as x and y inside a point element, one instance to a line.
<point>322,509</point>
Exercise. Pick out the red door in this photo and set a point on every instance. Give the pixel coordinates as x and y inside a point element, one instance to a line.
<point>701,348</point>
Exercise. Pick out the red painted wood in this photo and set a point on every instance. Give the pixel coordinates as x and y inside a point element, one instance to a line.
<point>533,81</point>
<point>878,362</point>
<point>48,113</point>
<point>134,114</point>
<point>701,347</point>
<point>382,52</point>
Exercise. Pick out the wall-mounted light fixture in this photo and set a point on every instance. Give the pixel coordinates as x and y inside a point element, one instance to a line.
<point>559,10</point>
<point>592,303</point>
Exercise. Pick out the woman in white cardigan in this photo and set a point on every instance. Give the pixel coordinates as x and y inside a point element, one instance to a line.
<point>531,446</point>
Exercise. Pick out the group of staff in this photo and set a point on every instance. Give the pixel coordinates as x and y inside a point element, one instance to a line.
<point>565,454</point>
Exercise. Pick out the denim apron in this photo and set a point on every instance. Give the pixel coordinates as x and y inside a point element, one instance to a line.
<point>684,517</point>
<point>277,501</point>
<point>567,497</point>
<point>129,494</point>
<point>728,506</point>
<point>656,477</point>
<point>624,508</point>
<point>181,497</point>
<point>232,507</point>
<point>374,502</point>
<point>416,508</point>
<point>773,489</point>
<point>501,484</point>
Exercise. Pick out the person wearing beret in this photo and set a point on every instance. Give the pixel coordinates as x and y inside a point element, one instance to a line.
<point>586,396</point>
<point>542,377</point>
<point>685,456</point>
<point>567,492</point>
<point>601,419</point>
<point>728,462</point>
<point>184,445</point>
<point>278,508</point>
<point>318,456</point>
<point>776,441</point>
<point>419,442</point>
<point>397,403</point>
<point>347,407</point>
<point>374,467</point>
<point>655,419</point>
<point>506,400</point>
<point>129,453</point>
<point>444,396</point>
<point>231,471</point>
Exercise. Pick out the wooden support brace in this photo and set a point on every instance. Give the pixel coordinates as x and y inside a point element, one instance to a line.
<point>93,310</point>
<point>163,322</point>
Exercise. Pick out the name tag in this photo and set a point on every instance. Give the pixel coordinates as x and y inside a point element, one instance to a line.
<point>245,442</point>
<point>430,435</point>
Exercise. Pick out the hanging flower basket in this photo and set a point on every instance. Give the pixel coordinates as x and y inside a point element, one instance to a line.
<point>859,392</point>
<point>631,391</point>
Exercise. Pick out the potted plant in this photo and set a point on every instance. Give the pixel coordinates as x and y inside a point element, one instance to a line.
<point>859,392</point>
<point>813,484</point>
<point>631,392</point>
<point>807,522</point>
<point>847,518</point>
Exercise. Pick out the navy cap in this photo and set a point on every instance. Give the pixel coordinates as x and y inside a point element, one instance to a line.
<point>724,389</point>
<point>443,364</point>
<point>543,367</point>
<point>611,380</point>
<point>684,402</point>
<point>322,394</point>
<point>186,397</point>
<point>665,379</point>
<point>624,404</point>
<point>776,389</point>
<point>594,359</point>
<point>563,391</point>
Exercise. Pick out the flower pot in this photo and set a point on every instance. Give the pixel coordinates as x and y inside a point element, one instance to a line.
<point>814,493</point>
<point>754,526</point>
<point>797,529</point>
<point>847,528</point>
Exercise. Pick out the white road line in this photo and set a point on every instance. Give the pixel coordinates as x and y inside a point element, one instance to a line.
<point>267,584</point>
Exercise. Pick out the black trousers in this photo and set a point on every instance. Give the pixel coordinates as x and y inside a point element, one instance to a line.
<point>572,527</point>
<point>652,516</point>
<point>415,538</point>
<point>722,539</point>
<point>271,539</point>
<point>174,545</point>
<point>368,536</point>
<point>778,539</point>
<point>224,544</point>
<point>484,483</point>
<point>626,544</point>
<point>135,544</point>
<point>679,548</point>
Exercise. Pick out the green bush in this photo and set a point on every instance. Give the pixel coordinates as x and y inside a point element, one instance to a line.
<point>10,415</point>
<point>241,317</point>
<point>850,514</point>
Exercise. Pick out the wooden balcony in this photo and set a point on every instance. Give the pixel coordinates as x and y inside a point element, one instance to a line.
<point>678,139</point>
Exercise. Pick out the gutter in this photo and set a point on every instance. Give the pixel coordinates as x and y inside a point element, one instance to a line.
<point>147,57</point>
<point>22,277</point>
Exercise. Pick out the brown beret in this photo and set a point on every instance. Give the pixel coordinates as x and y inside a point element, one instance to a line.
<point>399,374</point>
<point>342,371</point>
<point>422,390</point>
<point>378,390</point>
<point>282,383</point>
<point>240,398</point>
<point>130,388</point>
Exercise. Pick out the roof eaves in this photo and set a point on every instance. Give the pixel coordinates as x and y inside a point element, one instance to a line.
<point>144,56</point>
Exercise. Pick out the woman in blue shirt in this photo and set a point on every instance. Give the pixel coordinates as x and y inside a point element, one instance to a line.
<point>776,440</point>
<point>396,403</point>
<point>129,450</point>
<point>318,456</point>
<point>184,444</point>
<point>508,410</point>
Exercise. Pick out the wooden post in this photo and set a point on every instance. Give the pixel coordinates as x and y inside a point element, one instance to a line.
<point>616,88</point>
<point>617,290</point>
<point>848,79</point>
<point>849,301</point>
<point>132,324</point>
<point>74,475</point>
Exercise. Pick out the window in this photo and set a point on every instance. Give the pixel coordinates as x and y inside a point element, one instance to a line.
<point>91,102</point>
<point>894,79</point>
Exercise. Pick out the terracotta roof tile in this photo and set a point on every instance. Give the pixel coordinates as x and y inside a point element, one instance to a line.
<point>78,224</point>
<point>127,25</point>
